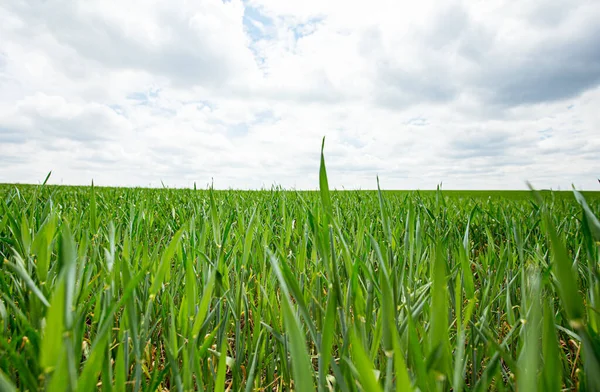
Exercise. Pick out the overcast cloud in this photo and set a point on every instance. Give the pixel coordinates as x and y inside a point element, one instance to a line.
<point>474,94</point>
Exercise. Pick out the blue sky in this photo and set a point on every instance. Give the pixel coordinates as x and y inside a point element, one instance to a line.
<point>256,24</point>
<point>477,95</point>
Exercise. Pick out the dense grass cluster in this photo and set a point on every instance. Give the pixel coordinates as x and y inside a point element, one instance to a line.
<point>161,289</point>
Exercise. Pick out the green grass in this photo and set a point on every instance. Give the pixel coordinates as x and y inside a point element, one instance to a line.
<point>144,289</point>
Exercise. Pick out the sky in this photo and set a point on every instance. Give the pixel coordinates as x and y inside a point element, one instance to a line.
<point>478,94</point>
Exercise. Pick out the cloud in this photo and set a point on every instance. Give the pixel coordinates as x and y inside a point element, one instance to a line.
<point>474,94</point>
<point>191,42</point>
<point>510,61</point>
<point>560,64</point>
<point>47,118</point>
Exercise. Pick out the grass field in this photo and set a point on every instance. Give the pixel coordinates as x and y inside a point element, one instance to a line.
<point>160,289</point>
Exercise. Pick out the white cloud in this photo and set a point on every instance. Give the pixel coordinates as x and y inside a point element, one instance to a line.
<point>474,94</point>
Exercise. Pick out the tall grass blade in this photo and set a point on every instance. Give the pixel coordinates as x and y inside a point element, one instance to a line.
<point>301,365</point>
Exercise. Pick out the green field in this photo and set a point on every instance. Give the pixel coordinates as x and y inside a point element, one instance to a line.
<point>161,289</point>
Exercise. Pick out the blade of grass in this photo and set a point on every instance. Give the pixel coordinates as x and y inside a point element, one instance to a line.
<point>301,365</point>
